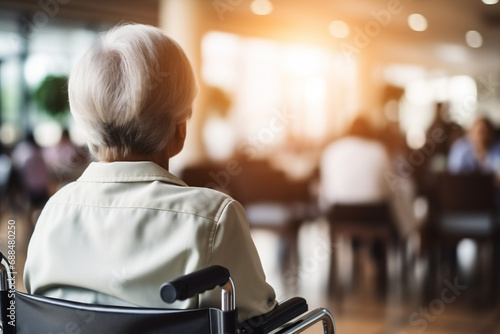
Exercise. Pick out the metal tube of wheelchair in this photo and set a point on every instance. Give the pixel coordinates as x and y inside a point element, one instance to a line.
<point>228,296</point>
<point>4,284</point>
<point>4,288</point>
<point>319,315</point>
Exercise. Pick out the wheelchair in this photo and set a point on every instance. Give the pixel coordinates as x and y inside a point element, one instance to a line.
<point>32,314</point>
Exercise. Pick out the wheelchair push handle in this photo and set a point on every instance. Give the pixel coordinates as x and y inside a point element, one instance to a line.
<point>190,285</point>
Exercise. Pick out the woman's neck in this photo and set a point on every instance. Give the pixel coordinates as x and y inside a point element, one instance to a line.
<point>160,159</point>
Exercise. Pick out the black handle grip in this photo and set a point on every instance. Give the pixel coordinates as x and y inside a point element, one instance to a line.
<point>189,285</point>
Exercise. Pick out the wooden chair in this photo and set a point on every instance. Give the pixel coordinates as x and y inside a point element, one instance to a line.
<point>206,174</point>
<point>274,202</point>
<point>462,206</point>
<point>271,200</point>
<point>368,223</point>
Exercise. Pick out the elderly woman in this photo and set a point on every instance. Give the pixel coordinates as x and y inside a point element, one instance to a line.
<point>127,225</point>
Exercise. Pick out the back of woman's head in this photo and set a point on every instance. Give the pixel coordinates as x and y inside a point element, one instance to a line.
<point>130,90</point>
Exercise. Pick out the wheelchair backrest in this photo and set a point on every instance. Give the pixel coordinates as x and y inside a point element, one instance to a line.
<point>37,314</point>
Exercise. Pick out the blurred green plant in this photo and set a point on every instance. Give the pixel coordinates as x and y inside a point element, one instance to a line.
<point>52,96</point>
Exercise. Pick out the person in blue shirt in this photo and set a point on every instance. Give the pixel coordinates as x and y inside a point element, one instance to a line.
<point>476,152</point>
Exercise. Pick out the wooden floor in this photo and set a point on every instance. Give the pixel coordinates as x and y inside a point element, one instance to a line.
<point>361,310</point>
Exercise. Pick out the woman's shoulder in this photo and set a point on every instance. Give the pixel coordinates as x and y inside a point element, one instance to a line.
<point>206,198</point>
<point>201,202</point>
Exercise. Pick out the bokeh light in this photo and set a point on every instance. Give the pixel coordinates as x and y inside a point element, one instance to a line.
<point>338,29</point>
<point>415,138</point>
<point>9,134</point>
<point>47,133</point>
<point>417,22</point>
<point>261,7</point>
<point>474,39</point>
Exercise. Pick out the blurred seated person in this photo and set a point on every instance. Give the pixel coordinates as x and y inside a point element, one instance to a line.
<point>65,160</point>
<point>440,136</point>
<point>5,171</point>
<point>127,224</point>
<point>33,173</point>
<point>477,151</point>
<point>357,169</point>
<point>353,168</point>
<point>354,174</point>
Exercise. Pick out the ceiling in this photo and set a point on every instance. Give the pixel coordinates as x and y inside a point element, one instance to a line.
<point>93,13</point>
<point>442,46</point>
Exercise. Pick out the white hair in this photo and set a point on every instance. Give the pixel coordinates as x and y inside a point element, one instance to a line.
<point>130,90</point>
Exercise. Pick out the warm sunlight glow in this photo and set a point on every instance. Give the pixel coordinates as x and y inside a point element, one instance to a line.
<point>302,61</point>
<point>279,92</point>
<point>314,98</point>
<point>490,2</point>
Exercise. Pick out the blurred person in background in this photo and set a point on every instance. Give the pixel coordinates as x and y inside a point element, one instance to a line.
<point>33,173</point>
<point>449,132</point>
<point>353,168</point>
<point>440,137</point>
<point>476,152</point>
<point>355,172</point>
<point>352,174</point>
<point>127,224</point>
<point>65,160</point>
<point>5,172</point>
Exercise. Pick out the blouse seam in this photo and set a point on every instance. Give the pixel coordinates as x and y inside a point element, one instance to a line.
<point>215,228</point>
<point>214,220</point>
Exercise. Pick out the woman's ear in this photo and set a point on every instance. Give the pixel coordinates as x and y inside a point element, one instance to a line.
<point>181,130</point>
<point>177,143</point>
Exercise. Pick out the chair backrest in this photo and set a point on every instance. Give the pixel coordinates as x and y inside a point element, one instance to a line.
<point>29,314</point>
<point>37,314</point>
<point>463,206</point>
<point>206,175</point>
<point>261,183</point>
<point>367,213</point>
<point>32,314</point>
<point>466,193</point>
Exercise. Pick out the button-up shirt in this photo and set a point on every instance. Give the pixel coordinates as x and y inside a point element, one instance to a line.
<point>124,228</point>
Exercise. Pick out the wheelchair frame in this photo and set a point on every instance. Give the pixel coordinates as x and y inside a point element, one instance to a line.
<point>37,314</point>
